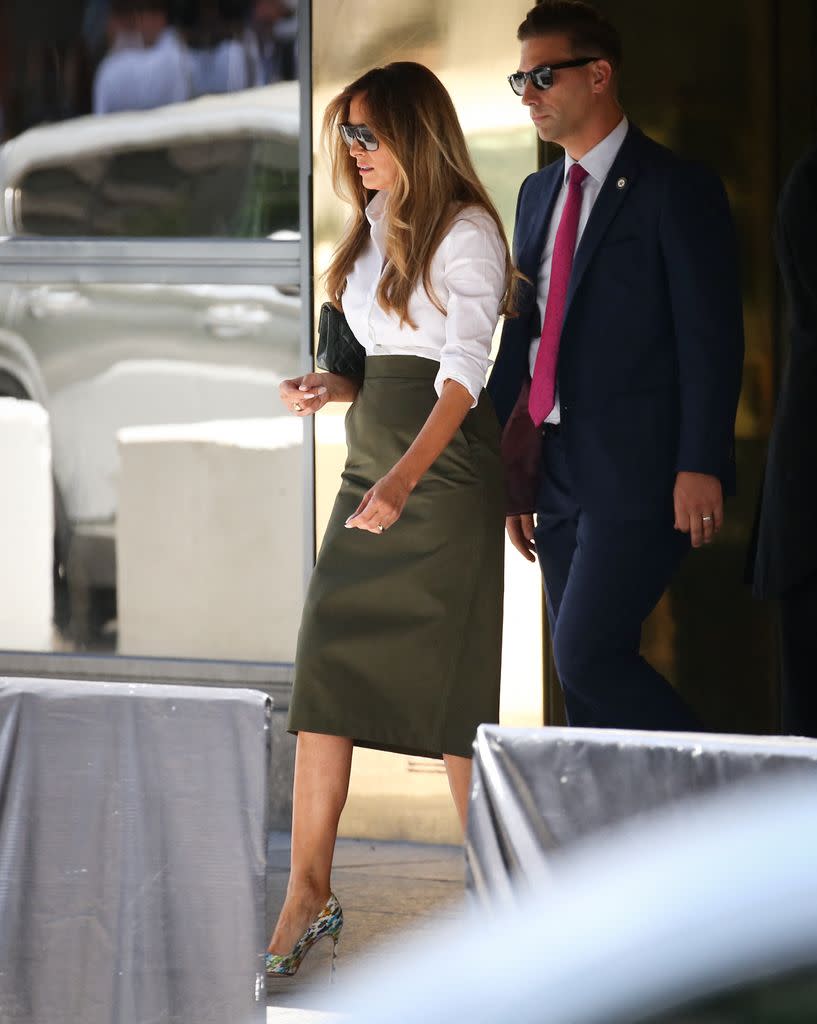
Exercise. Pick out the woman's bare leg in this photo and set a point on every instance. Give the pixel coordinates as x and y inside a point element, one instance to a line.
<point>322,767</point>
<point>459,782</point>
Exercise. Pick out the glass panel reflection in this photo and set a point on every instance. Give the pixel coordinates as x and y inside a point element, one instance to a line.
<point>177,476</point>
<point>150,118</point>
<point>235,187</point>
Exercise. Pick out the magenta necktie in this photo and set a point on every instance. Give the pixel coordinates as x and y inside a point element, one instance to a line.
<point>543,386</point>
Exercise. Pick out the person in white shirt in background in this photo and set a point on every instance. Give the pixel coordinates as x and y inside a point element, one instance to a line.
<point>270,40</point>
<point>400,639</point>
<point>148,64</point>
<point>242,56</point>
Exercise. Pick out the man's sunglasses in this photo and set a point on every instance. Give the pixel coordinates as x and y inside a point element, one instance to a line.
<point>359,132</point>
<point>542,77</point>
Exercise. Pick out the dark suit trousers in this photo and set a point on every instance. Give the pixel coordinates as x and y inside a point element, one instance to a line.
<point>602,579</point>
<point>798,658</point>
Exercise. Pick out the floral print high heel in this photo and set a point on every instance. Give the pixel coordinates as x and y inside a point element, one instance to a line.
<point>328,922</point>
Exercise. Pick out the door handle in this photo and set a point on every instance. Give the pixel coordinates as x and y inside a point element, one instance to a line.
<point>236,319</point>
<point>49,301</point>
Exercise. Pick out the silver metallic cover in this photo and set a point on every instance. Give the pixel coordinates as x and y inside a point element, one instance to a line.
<point>132,853</point>
<point>535,791</point>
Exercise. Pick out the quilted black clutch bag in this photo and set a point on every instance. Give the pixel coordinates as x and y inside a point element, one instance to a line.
<point>339,351</point>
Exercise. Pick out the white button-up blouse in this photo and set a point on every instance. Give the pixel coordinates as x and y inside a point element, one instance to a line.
<point>468,278</point>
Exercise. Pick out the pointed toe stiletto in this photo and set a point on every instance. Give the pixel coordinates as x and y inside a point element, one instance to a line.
<point>328,922</point>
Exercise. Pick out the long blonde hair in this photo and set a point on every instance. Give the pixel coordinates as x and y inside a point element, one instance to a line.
<point>411,113</point>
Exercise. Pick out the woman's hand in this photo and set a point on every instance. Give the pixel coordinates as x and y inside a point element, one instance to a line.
<point>382,504</point>
<point>304,396</point>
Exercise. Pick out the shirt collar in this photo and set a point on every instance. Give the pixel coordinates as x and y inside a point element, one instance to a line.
<point>376,207</point>
<point>598,160</point>
<point>375,214</point>
<point>168,39</point>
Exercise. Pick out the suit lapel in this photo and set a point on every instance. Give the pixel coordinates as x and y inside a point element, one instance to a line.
<point>613,192</point>
<point>532,235</point>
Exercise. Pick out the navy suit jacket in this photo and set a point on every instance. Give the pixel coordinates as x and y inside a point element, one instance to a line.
<point>651,351</point>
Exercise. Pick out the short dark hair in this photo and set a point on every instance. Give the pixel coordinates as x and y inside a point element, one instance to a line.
<point>589,32</point>
<point>141,7</point>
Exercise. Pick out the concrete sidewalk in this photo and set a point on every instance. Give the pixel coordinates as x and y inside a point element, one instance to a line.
<point>383,887</point>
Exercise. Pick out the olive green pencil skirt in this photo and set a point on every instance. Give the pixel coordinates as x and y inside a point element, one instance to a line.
<point>401,636</point>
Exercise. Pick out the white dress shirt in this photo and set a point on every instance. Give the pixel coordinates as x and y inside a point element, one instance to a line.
<point>468,278</point>
<point>220,68</point>
<point>597,162</point>
<point>144,78</point>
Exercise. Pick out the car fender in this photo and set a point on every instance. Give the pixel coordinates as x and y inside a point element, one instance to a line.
<point>17,359</point>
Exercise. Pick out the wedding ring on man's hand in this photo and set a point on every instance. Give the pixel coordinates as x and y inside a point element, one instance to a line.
<point>381,527</point>
<point>298,408</point>
<point>706,519</point>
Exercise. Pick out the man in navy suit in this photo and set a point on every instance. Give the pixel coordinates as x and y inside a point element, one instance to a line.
<point>617,384</point>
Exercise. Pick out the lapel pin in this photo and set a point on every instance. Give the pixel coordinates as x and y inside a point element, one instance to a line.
<point>621,183</point>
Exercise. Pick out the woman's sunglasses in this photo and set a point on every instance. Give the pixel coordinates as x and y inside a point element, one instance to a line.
<point>360,133</point>
<point>542,77</point>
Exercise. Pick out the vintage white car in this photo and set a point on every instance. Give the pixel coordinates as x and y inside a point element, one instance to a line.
<point>101,357</point>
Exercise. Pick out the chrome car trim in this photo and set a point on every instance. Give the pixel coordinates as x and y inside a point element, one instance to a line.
<point>151,261</point>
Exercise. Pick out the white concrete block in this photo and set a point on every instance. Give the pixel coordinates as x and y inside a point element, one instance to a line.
<point>209,539</point>
<point>88,414</point>
<point>26,527</point>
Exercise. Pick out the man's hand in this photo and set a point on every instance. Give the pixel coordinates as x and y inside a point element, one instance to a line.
<point>698,501</point>
<point>520,530</point>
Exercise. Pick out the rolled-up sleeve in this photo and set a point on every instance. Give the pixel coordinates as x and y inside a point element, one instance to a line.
<point>473,285</point>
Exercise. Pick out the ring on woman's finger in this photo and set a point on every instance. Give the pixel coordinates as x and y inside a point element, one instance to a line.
<point>298,407</point>
<point>380,527</point>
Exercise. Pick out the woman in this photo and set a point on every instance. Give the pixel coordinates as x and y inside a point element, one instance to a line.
<point>399,647</point>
